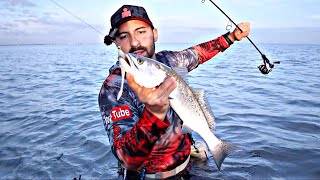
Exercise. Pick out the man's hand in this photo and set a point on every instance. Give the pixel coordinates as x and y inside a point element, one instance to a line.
<point>156,100</point>
<point>237,35</point>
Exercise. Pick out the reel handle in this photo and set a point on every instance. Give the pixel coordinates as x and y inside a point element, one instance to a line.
<point>266,67</point>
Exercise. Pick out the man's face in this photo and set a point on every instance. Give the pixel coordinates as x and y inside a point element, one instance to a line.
<point>137,37</point>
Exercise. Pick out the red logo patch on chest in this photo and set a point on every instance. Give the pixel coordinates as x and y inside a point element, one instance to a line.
<point>119,113</point>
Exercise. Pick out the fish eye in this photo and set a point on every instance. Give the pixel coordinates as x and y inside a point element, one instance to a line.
<point>140,61</point>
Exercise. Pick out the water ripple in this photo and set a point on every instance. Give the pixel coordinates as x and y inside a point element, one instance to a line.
<point>51,127</point>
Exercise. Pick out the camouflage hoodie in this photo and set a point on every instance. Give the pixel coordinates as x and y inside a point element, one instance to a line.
<point>137,137</point>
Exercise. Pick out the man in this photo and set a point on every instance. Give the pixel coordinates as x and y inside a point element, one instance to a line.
<point>144,132</point>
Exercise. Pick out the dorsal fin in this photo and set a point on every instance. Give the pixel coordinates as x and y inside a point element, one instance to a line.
<point>199,93</point>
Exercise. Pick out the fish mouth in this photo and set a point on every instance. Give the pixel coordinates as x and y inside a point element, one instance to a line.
<point>131,60</point>
<point>125,57</point>
<point>127,60</point>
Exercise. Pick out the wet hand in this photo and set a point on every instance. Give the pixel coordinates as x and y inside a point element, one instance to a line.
<point>156,99</point>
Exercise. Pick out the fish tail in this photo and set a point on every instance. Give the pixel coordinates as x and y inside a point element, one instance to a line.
<point>221,151</point>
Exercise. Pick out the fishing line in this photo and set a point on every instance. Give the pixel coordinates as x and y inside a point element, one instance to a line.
<point>76,17</point>
<point>266,67</point>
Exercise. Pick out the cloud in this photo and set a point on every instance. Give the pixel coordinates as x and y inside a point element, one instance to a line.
<point>188,21</point>
<point>18,3</point>
<point>256,3</point>
<point>42,25</point>
<point>22,21</point>
<point>19,17</point>
<point>12,7</point>
<point>315,17</point>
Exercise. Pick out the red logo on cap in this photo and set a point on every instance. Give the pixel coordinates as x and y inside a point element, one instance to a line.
<point>122,112</point>
<point>126,12</point>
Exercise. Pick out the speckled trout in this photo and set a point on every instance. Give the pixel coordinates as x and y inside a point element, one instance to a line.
<point>190,105</point>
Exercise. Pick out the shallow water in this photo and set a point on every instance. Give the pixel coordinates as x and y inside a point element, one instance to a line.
<point>51,127</point>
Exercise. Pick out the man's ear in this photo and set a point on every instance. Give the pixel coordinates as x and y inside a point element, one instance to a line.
<point>155,34</point>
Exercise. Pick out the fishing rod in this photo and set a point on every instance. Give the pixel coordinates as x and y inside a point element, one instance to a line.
<point>266,67</point>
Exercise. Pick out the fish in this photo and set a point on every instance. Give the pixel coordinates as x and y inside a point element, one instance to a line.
<point>189,104</point>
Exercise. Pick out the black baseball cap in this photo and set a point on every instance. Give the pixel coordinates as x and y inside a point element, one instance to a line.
<point>124,14</point>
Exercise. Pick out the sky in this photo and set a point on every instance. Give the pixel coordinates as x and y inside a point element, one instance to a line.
<point>178,21</point>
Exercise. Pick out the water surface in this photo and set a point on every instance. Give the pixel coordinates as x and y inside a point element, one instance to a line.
<point>51,127</point>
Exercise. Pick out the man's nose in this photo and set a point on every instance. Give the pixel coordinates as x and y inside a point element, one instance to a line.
<point>135,42</point>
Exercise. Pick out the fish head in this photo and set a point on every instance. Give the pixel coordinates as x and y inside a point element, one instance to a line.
<point>147,72</point>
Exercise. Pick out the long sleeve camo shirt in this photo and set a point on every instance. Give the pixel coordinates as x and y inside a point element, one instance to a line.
<point>137,137</point>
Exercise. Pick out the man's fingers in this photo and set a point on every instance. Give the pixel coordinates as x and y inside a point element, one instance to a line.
<point>166,87</point>
<point>245,27</point>
<point>133,85</point>
<point>171,86</point>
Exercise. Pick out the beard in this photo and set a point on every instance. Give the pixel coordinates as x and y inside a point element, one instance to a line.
<point>150,51</point>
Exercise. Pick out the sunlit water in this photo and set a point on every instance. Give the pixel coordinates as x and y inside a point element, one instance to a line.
<point>51,127</point>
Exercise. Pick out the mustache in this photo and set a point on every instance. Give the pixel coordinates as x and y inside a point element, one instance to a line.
<point>133,49</point>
